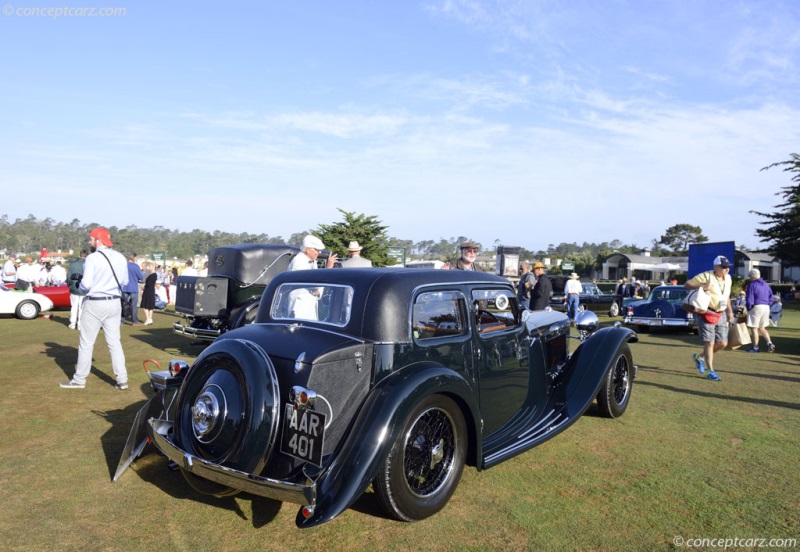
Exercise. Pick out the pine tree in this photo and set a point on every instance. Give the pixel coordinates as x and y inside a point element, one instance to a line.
<point>782,228</point>
<point>366,230</point>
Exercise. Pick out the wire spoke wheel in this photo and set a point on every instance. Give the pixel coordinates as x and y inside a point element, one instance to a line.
<point>429,452</point>
<point>615,392</point>
<point>425,463</point>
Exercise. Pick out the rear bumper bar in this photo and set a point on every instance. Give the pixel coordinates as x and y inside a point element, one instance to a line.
<point>197,333</point>
<point>668,322</point>
<point>284,491</point>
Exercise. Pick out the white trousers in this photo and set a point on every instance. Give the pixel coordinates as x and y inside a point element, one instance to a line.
<point>94,316</point>
<point>75,302</point>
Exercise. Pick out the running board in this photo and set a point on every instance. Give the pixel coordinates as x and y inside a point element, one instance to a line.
<point>551,424</point>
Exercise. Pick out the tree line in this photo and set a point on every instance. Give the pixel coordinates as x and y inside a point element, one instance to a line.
<point>31,235</point>
<point>780,230</point>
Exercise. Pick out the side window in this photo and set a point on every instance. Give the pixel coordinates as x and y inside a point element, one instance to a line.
<point>438,314</point>
<point>494,309</point>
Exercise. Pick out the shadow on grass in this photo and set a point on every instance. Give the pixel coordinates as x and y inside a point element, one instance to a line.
<point>749,400</point>
<point>164,339</point>
<point>155,469</point>
<point>369,504</point>
<point>66,357</point>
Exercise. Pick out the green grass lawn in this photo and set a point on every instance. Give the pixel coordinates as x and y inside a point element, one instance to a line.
<point>690,458</point>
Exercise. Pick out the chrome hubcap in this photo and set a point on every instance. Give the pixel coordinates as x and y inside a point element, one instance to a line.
<point>437,453</point>
<point>206,412</point>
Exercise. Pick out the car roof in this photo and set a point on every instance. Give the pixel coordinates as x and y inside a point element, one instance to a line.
<point>382,296</point>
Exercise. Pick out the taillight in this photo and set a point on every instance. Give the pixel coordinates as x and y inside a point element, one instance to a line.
<point>301,397</point>
<point>177,366</point>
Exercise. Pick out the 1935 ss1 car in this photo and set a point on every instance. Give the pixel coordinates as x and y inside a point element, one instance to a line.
<point>352,377</point>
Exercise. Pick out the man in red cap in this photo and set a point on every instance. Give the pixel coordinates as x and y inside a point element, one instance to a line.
<point>104,274</point>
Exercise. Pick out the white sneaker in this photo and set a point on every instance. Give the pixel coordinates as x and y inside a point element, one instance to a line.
<point>72,326</point>
<point>71,384</point>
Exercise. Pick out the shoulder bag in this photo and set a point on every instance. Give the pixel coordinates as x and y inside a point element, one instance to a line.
<point>127,308</point>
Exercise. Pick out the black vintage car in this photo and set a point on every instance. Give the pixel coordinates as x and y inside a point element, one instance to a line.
<point>228,297</point>
<point>395,378</point>
<point>592,298</point>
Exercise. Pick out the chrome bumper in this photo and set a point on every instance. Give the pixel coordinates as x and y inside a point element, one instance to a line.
<point>247,482</point>
<point>197,333</point>
<point>666,322</point>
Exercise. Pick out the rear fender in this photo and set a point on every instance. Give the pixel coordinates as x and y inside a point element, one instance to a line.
<point>589,365</point>
<point>375,429</point>
<point>239,314</point>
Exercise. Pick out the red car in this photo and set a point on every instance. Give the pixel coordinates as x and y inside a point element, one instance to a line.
<point>59,295</point>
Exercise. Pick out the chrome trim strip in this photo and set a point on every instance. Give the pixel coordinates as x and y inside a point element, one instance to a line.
<point>247,482</point>
<point>299,324</point>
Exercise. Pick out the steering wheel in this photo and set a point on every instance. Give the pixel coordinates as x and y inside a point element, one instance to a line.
<point>482,313</point>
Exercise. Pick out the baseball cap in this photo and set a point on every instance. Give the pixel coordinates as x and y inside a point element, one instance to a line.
<point>102,234</point>
<point>722,261</point>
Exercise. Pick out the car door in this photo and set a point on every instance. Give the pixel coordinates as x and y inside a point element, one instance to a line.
<point>500,354</point>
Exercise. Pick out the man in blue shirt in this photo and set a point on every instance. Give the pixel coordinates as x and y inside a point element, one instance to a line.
<point>131,289</point>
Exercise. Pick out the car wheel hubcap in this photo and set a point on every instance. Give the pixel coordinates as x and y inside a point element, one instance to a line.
<point>209,407</point>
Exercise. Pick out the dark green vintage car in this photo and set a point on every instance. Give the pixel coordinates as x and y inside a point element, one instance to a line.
<point>392,378</point>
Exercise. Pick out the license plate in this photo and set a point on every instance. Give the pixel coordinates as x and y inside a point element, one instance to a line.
<point>656,322</point>
<point>303,434</point>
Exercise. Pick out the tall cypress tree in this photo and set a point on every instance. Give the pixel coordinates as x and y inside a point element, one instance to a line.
<point>782,228</point>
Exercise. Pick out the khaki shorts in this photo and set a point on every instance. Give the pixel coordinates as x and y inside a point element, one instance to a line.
<point>758,316</point>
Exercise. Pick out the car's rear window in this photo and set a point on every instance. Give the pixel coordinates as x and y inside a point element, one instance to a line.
<point>327,304</point>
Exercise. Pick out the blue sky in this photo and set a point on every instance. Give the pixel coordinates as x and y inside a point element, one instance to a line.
<point>526,122</point>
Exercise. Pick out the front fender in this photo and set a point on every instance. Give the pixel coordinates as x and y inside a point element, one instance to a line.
<point>589,365</point>
<point>375,429</point>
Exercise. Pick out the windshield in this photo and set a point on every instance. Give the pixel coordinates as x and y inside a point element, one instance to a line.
<point>673,295</point>
<point>328,304</point>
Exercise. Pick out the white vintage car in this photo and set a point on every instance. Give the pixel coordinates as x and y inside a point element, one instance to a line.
<point>23,305</point>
